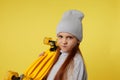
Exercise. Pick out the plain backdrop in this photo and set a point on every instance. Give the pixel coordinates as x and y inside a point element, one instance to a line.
<point>25,23</point>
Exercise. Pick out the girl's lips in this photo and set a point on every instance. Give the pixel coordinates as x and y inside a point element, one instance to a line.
<point>64,46</point>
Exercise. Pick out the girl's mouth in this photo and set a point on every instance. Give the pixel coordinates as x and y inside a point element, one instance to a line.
<point>64,46</point>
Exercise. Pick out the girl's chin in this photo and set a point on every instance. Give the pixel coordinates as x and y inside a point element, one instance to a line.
<point>64,50</point>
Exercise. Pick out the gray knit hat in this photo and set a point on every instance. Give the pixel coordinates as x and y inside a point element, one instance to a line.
<point>71,22</point>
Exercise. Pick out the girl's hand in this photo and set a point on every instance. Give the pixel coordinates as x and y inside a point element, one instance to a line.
<point>41,54</point>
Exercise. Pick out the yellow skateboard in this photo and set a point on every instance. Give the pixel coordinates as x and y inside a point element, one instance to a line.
<point>40,67</point>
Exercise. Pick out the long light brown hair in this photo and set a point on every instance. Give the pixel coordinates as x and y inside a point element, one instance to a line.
<point>61,72</point>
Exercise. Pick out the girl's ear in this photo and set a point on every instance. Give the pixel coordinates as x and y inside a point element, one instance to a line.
<point>57,42</point>
<point>78,42</point>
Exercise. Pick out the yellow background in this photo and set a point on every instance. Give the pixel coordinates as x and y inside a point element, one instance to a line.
<point>25,23</point>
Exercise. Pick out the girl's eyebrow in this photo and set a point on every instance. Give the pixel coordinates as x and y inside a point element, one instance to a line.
<point>59,35</point>
<point>70,36</point>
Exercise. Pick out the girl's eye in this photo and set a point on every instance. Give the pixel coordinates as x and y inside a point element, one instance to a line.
<point>70,37</point>
<point>60,36</point>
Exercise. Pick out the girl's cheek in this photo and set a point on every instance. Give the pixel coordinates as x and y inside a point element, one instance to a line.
<point>58,42</point>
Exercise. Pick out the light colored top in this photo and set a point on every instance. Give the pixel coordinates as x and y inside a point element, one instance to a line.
<point>78,73</point>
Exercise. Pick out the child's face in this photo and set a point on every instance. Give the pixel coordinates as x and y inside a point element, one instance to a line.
<point>66,41</point>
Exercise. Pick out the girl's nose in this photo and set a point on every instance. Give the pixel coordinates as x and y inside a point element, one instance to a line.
<point>64,40</point>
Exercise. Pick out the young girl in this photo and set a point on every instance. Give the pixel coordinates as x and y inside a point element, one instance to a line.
<point>67,62</point>
<point>70,63</point>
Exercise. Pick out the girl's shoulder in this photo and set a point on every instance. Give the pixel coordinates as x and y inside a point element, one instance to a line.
<point>78,58</point>
<point>78,62</point>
